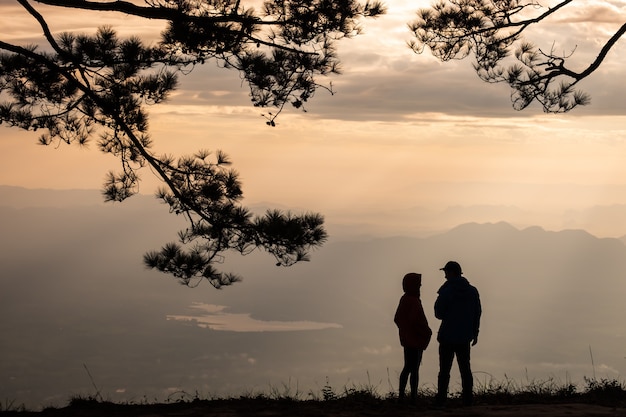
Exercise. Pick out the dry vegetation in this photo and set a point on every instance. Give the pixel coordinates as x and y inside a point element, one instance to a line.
<point>493,398</point>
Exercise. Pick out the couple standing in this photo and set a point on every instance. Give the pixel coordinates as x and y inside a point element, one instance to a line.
<point>458,307</point>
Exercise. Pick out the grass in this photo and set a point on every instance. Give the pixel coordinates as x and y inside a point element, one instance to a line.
<point>603,392</point>
<point>487,391</point>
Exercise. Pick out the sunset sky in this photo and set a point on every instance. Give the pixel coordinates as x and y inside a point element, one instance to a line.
<point>402,129</point>
<point>405,150</point>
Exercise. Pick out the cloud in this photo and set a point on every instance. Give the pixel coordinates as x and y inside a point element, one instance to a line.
<point>378,351</point>
<point>383,80</point>
<point>215,317</point>
<point>602,12</point>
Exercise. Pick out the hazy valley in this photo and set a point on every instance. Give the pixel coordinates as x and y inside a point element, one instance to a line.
<point>75,296</point>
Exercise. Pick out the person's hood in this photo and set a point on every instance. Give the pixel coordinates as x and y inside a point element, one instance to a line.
<point>411,283</point>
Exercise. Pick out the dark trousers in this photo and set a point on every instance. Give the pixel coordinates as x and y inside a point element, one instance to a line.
<point>410,372</point>
<point>447,352</point>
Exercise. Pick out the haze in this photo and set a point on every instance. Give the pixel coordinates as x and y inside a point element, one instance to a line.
<point>406,150</point>
<point>77,304</point>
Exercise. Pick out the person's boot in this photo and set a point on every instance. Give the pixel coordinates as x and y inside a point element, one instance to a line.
<point>401,397</point>
<point>443,382</point>
<point>440,400</point>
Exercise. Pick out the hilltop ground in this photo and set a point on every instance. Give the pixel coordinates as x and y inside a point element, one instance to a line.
<point>338,408</point>
<point>599,398</point>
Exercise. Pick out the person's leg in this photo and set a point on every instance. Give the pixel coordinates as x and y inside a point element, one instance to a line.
<point>412,358</point>
<point>404,374</point>
<point>446,357</point>
<point>416,360</point>
<point>467,379</point>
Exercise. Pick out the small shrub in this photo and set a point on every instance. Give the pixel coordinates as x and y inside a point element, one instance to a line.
<point>605,391</point>
<point>328,394</point>
<point>11,405</point>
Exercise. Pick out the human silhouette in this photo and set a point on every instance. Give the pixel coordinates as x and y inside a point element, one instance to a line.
<point>459,309</point>
<point>414,333</point>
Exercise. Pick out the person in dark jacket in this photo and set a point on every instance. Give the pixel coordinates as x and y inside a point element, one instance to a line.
<point>459,309</point>
<point>414,333</point>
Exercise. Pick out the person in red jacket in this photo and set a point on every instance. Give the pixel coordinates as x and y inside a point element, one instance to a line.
<point>414,333</point>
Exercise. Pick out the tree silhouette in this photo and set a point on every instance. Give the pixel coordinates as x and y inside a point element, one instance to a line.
<point>82,87</point>
<point>490,29</point>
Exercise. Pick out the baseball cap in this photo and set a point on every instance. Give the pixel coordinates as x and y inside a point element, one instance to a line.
<point>452,266</point>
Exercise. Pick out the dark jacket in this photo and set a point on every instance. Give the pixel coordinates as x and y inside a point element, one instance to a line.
<point>458,307</point>
<point>410,318</point>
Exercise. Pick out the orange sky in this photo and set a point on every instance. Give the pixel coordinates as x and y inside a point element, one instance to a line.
<point>397,120</point>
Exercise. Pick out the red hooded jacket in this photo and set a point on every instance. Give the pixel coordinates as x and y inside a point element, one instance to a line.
<point>410,318</point>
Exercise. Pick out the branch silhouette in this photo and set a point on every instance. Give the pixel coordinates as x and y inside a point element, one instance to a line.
<point>493,31</point>
<point>85,87</point>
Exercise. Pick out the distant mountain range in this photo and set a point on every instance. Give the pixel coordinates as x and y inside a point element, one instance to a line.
<point>74,294</point>
<point>357,222</point>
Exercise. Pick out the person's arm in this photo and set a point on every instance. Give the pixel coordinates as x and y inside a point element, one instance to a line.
<point>477,313</point>
<point>401,312</point>
<point>422,323</point>
<point>441,304</point>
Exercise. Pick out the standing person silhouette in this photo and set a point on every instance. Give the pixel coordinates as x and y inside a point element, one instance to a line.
<point>459,309</point>
<point>414,333</point>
